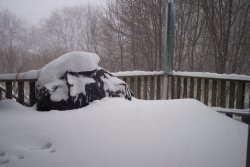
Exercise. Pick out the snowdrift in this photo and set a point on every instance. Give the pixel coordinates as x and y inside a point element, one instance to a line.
<point>114,132</point>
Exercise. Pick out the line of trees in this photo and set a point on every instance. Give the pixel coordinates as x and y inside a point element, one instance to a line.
<point>210,36</point>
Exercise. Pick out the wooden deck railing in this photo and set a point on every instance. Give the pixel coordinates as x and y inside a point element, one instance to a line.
<point>217,92</point>
<point>15,89</point>
<point>225,93</point>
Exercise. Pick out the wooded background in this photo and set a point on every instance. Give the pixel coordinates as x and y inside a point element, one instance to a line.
<point>211,36</point>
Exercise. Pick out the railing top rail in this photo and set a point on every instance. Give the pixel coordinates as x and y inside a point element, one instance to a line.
<point>33,75</point>
<point>26,76</point>
<point>208,75</point>
<point>137,73</point>
<point>18,80</point>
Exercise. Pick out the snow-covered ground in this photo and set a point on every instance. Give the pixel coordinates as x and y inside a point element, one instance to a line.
<point>115,132</point>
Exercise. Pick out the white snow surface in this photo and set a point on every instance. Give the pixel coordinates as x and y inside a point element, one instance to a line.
<point>71,62</point>
<point>114,132</point>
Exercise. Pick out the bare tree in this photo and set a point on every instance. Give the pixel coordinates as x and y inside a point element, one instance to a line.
<point>227,22</point>
<point>12,34</point>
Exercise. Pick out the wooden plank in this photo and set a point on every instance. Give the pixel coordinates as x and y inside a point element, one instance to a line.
<point>232,94</point>
<point>178,87</point>
<point>20,92</point>
<point>172,87</point>
<point>223,93</point>
<point>240,94</point>
<point>168,88</point>
<point>191,88</point>
<point>214,92</point>
<point>8,85</point>
<point>185,87</point>
<point>139,88</point>
<point>158,87</point>
<point>32,93</point>
<point>132,85</point>
<point>145,88</point>
<point>136,91</point>
<point>152,88</point>
<point>206,88</point>
<point>198,90</point>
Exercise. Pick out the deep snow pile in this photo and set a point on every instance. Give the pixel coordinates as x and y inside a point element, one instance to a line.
<point>74,80</point>
<point>114,132</point>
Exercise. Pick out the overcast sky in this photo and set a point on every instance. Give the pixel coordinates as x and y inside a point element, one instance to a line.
<point>34,10</point>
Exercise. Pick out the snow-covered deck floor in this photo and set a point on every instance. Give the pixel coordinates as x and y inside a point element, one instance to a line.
<point>120,133</point>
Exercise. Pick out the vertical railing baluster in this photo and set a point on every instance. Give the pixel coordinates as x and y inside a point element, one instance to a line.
<point>223,94</point>
<point>139,87</point>
<point>206,90</point>
<point>135,86</point>
<point>32,92</point>
<point>198,90</point>
<point>145,88</point>
<point>20,92</point>
<point>8,85</point>
<point>240,94</point>
<point>232,94</point>
<point>178,87</point>
<point>152,87</point>
<point>214,92</point>
<point>191,88</point>
<point>185,87</point>
<point>158,87</point>
<point>172,87</point>
<point>132,85</point>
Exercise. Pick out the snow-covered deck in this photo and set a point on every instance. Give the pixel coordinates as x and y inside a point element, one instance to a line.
<point>117,132</point>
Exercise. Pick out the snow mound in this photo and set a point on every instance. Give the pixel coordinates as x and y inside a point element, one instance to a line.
<point>71,62</point>
<point>115,132</point>
<point>74,80</point>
